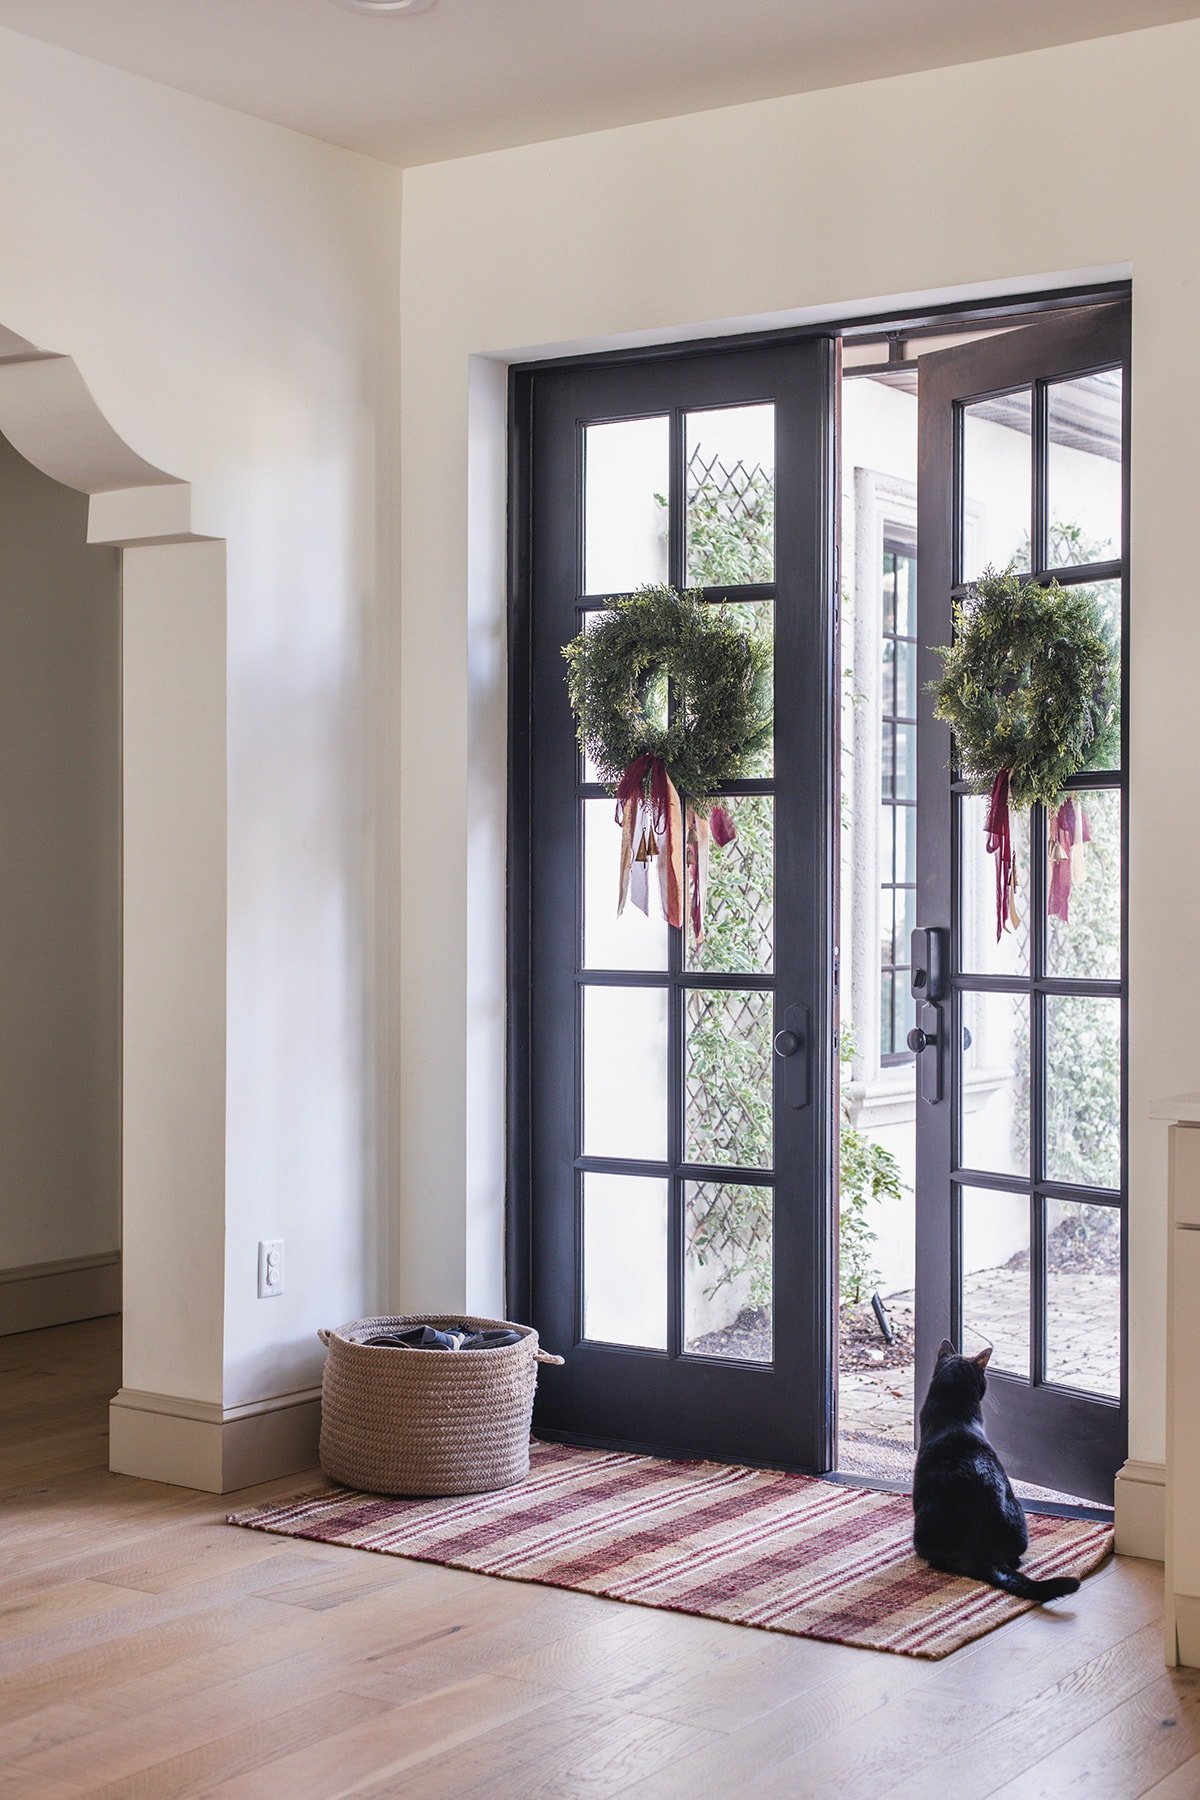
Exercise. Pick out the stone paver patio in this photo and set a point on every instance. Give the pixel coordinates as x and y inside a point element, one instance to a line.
<point>875,1407</point>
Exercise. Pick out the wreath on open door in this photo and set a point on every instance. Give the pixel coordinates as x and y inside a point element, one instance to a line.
<point>1030,688</point>
<point>669,696</point>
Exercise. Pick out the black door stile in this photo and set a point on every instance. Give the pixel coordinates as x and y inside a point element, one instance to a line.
<point>778,1413</point>
<point>1047,1433</point>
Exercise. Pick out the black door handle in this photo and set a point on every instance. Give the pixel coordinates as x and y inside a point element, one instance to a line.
<point>925,1040</point>
<point>791,1047</point>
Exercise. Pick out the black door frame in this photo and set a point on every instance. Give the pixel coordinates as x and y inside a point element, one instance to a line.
<point>1045,1432</point>
<point>780,1412</point>
<point>892,331</point>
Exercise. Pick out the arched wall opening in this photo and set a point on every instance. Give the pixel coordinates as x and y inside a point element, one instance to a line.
<point>60,908</point>
<point>172,901</point>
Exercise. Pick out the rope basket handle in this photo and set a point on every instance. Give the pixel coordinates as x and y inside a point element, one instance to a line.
<point>543,1356</point>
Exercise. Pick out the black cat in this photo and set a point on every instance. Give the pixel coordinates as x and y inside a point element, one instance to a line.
<point>968,1520</point>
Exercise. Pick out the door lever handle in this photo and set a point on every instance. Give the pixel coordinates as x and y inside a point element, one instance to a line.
<point>791,1047</point>
<point>925,1040</point>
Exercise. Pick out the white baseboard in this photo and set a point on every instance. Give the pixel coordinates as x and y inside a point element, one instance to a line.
<point>199,1444</point>
<point>59,1293</point>
<point>1140,1503</point>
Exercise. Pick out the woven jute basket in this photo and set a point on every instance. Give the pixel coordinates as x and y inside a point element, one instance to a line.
<point>400,1421</point>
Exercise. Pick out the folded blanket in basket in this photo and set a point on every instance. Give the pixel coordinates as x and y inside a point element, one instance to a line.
<point>454,1337</point>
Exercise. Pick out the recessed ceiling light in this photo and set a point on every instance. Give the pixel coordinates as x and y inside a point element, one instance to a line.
<point>383,7</point>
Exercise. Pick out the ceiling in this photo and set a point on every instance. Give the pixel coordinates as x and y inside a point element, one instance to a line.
<point>475,75</point>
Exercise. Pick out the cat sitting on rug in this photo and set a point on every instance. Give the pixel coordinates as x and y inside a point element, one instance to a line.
<point>968,1520</point>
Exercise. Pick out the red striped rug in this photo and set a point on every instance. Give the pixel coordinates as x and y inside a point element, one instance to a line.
<point>785,1553</point>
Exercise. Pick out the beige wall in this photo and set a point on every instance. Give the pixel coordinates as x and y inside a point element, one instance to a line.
<point>1075,161</point>
<point>60,832</point>
<point>229,292</point>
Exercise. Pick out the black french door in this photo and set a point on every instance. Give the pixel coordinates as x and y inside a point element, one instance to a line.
<point>1021,1090</point>
<point>671,1105</point>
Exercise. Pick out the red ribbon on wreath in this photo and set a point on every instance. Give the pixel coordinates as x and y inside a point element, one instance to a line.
<point>656,829</point>
<point>999,845</point>
<point>1069,832</point>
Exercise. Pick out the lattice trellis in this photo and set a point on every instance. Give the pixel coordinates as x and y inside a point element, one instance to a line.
<point>731,521</point>
<point>729,1234</point>
<point>740,909</point>
<point>727,1080</point>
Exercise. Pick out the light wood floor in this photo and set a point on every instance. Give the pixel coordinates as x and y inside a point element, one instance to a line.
<point>148,1649</point>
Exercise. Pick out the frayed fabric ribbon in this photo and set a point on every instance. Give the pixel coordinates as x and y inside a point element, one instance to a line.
<point>1069,832</point>
<point>656,828</point>
<point>999,845</point>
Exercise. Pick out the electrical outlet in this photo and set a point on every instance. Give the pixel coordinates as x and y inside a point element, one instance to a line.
<point>270,1268</point>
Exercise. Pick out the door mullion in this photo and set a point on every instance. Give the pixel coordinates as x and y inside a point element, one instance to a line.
<point>1039,533</point>
<point>677,502</point>
<point>676,1021</point>
<point>1038,1283</point>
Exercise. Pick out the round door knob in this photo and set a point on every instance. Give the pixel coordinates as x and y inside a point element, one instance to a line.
<point>919,1040</point>
<point>786,1043</point>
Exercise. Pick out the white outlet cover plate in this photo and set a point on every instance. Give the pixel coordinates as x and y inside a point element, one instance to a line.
<point>270,1268</point>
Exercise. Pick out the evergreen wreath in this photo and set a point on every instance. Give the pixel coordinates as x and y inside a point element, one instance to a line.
<point>1030,686</point>
<point>719,679</point>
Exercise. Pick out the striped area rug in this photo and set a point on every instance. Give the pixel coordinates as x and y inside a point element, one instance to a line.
<point>786,1553</point>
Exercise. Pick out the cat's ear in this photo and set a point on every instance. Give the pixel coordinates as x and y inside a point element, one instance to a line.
<point>981,1361</point>
<point>946,1348</point>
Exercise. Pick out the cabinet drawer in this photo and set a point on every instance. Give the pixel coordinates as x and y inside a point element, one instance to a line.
<point>1185,1174</point>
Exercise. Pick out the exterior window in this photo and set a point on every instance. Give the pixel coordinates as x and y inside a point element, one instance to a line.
<point>898,795</point>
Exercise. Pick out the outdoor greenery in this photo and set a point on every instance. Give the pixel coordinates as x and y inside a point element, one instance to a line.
<point>729,1059</point>
<point>731,525</point>
<point>1083,1126</point>
<point>869,1173</point>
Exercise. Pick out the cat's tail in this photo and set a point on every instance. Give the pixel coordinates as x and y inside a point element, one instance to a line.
<point>1013,1582</point>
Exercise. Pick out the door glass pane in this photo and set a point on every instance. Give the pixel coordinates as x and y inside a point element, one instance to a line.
<point>727,1078</point>
<point>1107,595</point>
<point>626,480</point>
<point>731,496</point>
<point>727,1271</point>
<point>635,940</point>
<point>995,1277</point>
<point>1084,419</point>
<point>997,482</point>
<point>897,847</point>
<point>1083,1296</point>
<point>906,677</point>
<point>1083,884</point>
<point>625,1260</point>
<point>625,1072</point>
<point>899,593</point>
<point>979,952</point>
<point>995,1083</point>
<point>1083,1090</point>
<point>739,931</point>
<point>758,618</point>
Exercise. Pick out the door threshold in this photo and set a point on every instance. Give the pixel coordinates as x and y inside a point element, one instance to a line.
<point>1057,1509</point>
<point>667,1453</point>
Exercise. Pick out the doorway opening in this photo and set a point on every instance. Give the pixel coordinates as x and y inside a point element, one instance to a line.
<point>1009,449</point>
<point>677,1123</point>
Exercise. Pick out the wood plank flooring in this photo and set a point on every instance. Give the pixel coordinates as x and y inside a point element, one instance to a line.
<point>147,1649</point>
